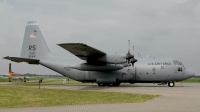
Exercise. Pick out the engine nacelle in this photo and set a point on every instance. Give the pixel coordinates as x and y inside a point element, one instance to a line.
<point>90,67</point>
<point>113,58</point>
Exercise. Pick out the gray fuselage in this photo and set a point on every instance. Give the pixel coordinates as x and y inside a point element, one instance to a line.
<point>145,70</point>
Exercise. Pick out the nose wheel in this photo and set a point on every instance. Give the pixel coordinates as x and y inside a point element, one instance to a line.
<point>171,84</point>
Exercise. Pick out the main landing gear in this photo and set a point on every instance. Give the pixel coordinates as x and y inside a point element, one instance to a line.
<point>171,84</point>
<point>109,84</point>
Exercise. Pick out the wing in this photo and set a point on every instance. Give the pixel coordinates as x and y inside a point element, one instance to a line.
<point>17,59</point>
<point>82,51</point>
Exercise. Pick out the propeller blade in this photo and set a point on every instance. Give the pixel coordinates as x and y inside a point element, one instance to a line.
<point>129,56</point>
<point>128,46</point>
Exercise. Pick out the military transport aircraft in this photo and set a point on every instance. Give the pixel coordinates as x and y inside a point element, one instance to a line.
<point>100,67</point>
<point>15,76</point>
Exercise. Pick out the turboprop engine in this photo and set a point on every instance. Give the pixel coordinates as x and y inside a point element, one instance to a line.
<point>116,58</point>
<point>92,67</point>
<point>111,59</point>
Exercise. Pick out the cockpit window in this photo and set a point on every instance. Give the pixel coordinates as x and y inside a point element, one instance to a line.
<point>177,62</point>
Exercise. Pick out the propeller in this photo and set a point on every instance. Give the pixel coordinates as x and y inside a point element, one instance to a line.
<point>129,57</point>
<point>133,60</point>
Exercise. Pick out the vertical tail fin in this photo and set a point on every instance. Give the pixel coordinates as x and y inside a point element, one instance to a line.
<point>34,45</point>
<point>10,70</point>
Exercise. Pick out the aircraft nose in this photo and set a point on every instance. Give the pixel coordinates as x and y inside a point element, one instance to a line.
<point>189,73</point>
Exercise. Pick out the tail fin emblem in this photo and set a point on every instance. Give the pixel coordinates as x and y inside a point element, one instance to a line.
<point>33,36</point>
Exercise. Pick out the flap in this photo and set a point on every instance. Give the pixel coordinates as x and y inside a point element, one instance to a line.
<point>82,51</point>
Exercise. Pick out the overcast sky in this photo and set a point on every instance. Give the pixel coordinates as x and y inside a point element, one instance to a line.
<point>160,28</point>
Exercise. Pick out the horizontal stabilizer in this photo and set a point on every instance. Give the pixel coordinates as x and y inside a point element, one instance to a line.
<point>17,59</point>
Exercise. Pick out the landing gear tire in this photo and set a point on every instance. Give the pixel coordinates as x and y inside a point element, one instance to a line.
<point>9,80</point>
<point>171,84</point>
<point>108,84</point>
<point>116,84</point>
<point>101,84</point>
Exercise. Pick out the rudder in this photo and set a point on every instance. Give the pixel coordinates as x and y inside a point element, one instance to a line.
<point>34,45</point>
<point>10,70</point>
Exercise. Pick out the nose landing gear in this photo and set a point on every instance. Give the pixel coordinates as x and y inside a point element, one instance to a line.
<point>171,84</point>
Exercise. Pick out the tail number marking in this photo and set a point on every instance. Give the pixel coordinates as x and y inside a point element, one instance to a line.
<point>32,49</point>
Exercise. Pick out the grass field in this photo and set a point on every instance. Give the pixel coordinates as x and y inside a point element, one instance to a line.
<point>19,96</point>
<point>49,82</point>
<point>5,79</point>
<point>192,80</point>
